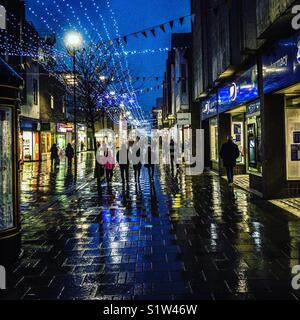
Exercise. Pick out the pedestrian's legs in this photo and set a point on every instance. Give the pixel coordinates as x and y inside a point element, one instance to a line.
<point>172,164</point>
<point>122,173</point>
<point>229,171</point>
<point>135,173</point>
<point>152,173</point>
<point>127,174</point>
<point>107,175</point>
<point>232,174</point>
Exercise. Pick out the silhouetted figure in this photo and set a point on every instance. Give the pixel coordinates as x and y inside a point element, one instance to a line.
<point>138,166</point>
<point>150,165</point>
<point>70,154</point>
<point>123,160</point>
<point>109,165</point>
<point>54,155</point>
<point>229,153</point>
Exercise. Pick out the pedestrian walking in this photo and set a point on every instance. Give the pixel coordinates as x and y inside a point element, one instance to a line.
<point>123,161</point>
<point>54,155</point>
<point>229,153</point>
<point>137,166</point>
<point>70,154</point>
<point>149,163</point>
<point>109,164</point>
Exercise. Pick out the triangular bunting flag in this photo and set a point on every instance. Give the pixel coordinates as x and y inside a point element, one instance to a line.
<point>153,32</point>
<point>144,33</point>
<point>171,23</point>
<point>162,27</point>
<point>181,19</point>
<point>125,39</point>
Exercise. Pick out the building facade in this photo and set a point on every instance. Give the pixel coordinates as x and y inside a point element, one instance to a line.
<point>245,82</point>
<point>178,110</point>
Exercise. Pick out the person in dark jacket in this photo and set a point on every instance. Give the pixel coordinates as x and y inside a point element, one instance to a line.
<point>54,154</point>
<point>149,164</point>
<point>138,166</point>
<point>123,160</point>
<point>229,153</point>
<point>69,154</point>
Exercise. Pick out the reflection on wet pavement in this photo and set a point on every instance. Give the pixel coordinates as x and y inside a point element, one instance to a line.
<point>178,238</point>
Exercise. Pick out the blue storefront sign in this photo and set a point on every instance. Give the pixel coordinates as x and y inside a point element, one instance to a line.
<point>239,92</point>
<point>236,93</point>
<point>28,124</point>
<point>281,66</point>
<point>209,107</point>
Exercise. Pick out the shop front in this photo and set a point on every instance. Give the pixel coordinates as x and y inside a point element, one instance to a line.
<point>64,135</point>
<point>82,138</point>
<point>209,123</point>
<point>30,139</point>
<point>230,112</point>
<point>281,118</point>
<point>10,86</point>
<point>47,138</point>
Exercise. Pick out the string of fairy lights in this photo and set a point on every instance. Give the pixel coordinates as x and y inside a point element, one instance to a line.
<point>34,47</point>
<point>73,27</point>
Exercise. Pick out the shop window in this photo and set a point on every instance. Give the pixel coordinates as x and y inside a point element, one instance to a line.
<point>6,170</point>
<point>237,132</point>
<point>253,134</point>
<point>2,18</point>
<point>292,126</point>
<point>214,148</point>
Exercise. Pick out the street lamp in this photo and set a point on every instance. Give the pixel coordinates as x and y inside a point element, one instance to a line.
<point>73,41</point>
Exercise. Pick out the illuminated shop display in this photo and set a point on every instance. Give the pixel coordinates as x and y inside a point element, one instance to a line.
<point>237,132</point>
<point>10,87</point>
<point>253,122</point>
<point>292,125</point>
<point>214,148</point>
<point>6,169</point>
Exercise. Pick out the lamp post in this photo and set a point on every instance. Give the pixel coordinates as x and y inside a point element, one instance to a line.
<point>73,41</point>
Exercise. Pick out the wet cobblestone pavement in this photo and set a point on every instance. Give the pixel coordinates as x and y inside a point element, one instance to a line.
<point>178,238</point>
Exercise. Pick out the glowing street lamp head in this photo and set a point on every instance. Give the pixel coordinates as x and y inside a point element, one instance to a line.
<point>73,40</point>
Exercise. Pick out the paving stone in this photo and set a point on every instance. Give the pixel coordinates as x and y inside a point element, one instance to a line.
<point>185,238</point>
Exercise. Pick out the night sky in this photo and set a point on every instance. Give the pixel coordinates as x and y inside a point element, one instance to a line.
<point>131,16</point>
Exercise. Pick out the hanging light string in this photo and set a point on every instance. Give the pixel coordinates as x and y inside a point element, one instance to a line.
<point>69,21</point>
<point>126,62</point>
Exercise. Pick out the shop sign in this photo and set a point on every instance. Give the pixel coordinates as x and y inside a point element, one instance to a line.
<point>209,107</point>
<point>64,127</point>
<point>184,119</point>
<point>281,66</point>
<point>253,108</point>
<point>241,91</point>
